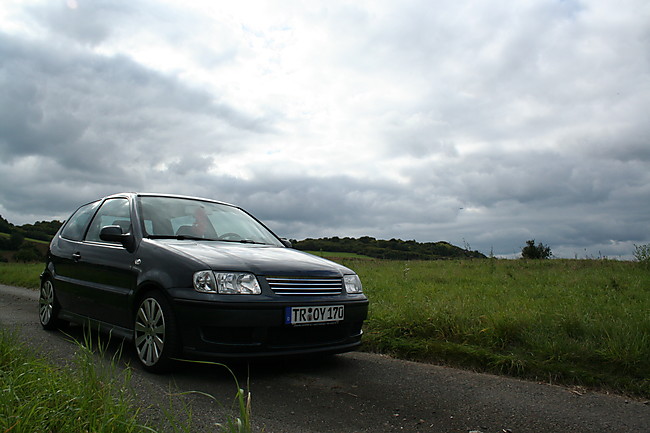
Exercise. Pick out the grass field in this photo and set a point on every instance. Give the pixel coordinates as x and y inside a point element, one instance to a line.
<point>583,322</point>
<point>576,322</point>
<point>21,274</point>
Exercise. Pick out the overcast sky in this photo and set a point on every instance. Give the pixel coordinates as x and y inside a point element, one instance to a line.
<point>482,123</point>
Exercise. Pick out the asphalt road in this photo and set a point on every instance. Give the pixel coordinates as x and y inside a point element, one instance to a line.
<point>355,392</point>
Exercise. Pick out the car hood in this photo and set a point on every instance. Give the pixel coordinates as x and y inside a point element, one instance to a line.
<point>259,259</point>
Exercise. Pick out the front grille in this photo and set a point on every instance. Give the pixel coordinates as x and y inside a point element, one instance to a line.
<point>305,286</point>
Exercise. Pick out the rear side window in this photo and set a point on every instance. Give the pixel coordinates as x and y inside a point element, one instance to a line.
<point>76,225</point>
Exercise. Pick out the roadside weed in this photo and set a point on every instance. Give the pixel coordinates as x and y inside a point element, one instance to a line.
<point>241,403</point>
<point>37,396</point>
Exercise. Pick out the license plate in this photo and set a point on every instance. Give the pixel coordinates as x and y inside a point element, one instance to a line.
<point>317,314</point>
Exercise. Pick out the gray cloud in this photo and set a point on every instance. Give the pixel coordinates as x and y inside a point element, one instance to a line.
<point>86,111</point>
<point>479,124</point>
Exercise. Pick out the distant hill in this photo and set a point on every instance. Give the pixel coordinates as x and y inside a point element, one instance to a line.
<point>26,243</point>
<point>41,230</point>
<point>368,246</point>
<point>391,249</point>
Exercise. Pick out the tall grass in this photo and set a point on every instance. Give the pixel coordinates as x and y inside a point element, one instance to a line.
<point>91,395</point>
<point>21,274</point>
<point>577,322</point>
<point>37,396</point>
<point>241,404</point>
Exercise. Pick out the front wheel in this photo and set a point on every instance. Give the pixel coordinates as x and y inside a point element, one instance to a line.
<point>155,334</point>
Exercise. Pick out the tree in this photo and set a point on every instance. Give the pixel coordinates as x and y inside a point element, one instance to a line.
<point>5,226</point>
<point>642,254</point>
<point>15,241</point>
<point>28,253</point>
<point>532,251</point>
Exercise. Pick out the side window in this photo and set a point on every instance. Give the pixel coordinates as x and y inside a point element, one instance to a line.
<point>76,226</point>
<point>114,212</point>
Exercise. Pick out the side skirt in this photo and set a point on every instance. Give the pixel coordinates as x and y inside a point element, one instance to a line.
<point>97,325</point>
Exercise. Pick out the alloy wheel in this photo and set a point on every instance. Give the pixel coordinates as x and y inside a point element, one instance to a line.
<point>46,303</point>
<point>150,332</point>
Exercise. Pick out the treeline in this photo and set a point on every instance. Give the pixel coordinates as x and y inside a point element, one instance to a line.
<point>396,249</point>
<point>15,241</point>
<point>40,230</point>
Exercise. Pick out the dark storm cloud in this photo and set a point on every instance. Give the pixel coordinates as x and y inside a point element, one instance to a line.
<point>300,206</point>
<point>49,101</point>
<point>334,201</point>
<point>563,197</point>
<point>73,120</point>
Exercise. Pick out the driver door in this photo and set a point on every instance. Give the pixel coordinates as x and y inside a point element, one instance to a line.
<point>107,267</point>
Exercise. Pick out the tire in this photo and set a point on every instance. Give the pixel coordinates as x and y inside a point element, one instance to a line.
<point>155,334</point>
<point>48,306</point>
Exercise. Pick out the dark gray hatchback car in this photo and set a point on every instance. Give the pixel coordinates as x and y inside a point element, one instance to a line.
<point>190,277</point>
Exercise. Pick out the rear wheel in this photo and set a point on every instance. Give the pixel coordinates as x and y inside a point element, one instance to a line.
<point>155,334</point>
<point>48,306</point>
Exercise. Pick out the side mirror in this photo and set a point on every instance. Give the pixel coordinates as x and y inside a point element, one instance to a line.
<point>114,234</point>
<point>286,243</point>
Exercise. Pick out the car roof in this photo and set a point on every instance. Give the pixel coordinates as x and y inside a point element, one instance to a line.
<point>153,194</point>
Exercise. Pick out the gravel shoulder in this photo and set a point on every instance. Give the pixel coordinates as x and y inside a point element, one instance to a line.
<point>354,392</point>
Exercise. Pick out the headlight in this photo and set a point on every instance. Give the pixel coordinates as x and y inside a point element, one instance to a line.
<point>352,284</point>
<point>237,283</point>
<point>204,282</point>
<point>226,283</point>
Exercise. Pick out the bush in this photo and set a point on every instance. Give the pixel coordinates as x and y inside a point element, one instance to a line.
<point>38,235</point>
<point>15,241</point>
<point>28,253</point>
<point>532,251</point>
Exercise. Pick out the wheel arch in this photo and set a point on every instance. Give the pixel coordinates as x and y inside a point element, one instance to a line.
<point>144,288</point>
<point>154,279</point>
<point>48,273</point>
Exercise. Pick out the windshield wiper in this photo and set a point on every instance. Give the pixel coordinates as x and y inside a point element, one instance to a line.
<point>250,241</point>
<point>242,241</point>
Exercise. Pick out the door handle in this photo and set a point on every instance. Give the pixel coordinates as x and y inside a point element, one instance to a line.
<point>76,257</point>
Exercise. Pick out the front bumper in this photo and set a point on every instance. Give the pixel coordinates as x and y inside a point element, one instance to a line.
<point>257,329</point>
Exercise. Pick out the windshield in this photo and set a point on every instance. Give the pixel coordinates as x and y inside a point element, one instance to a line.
<point>172,217</point>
